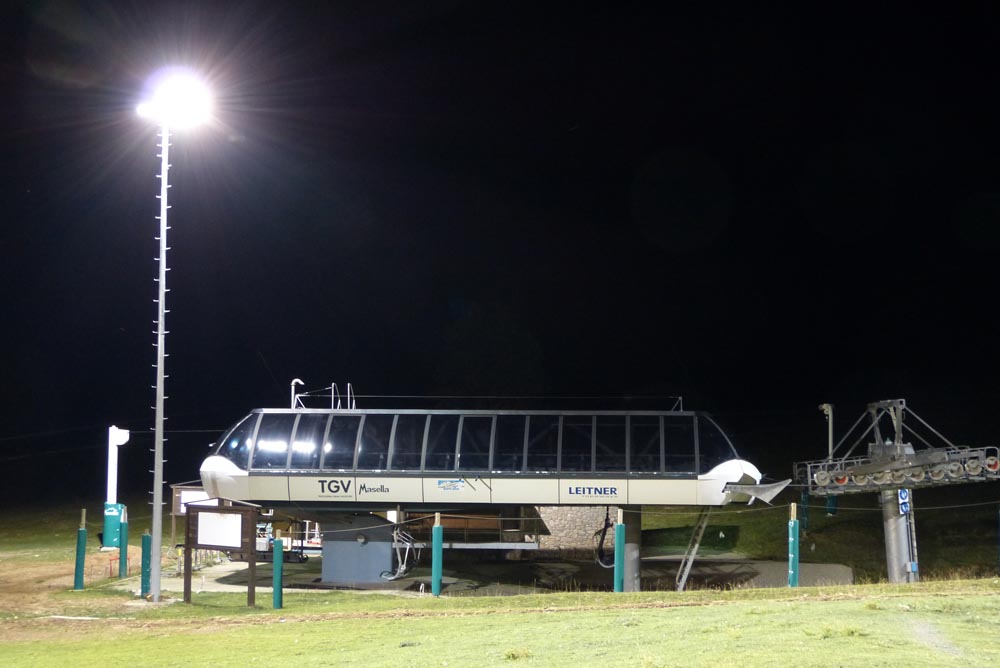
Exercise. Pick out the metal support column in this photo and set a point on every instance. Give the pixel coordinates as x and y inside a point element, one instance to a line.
<point>900,536</point>
<point>633,548</point>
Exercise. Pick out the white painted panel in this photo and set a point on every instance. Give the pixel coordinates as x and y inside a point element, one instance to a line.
<point>232,487</point>
<point>391,490</point>
<point>268,488</point>
<point>455,488</point>
<point>222,529</point>
<point>663,492</point>
<point>593,491</point>
<point>331,487</point>
<point>515,490</point>
<point>710,492</point>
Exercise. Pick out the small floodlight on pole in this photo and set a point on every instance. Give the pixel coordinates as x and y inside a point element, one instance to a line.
<point>180,100</point>
<point>828,411</point>
<point>116,437</point>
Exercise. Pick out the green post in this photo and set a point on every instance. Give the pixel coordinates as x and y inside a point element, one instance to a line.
<point>279,567</point>
<point>123,551</point>
<point>620,553</point>
<point>437,554</point>
<point>793,549</point>
<point>81,551</point>
<point>147,562</point>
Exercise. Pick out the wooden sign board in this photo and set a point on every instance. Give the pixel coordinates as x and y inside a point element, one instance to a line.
<point>227,528</point>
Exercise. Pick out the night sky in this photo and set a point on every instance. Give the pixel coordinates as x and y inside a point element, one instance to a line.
<point>758,209</point>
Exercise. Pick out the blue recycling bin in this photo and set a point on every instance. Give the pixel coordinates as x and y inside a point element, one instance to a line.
<point>113,513</point>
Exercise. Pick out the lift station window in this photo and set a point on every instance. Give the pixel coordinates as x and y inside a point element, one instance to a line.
<point>442,440</point>
<point>645,456</point>
<point>235,446</point>
<point>474,447</point>
<point>271,449</point>
<point>678,443</point>
<point>508,451</point>
<point>609,442</point>
<point>373,451</point>
<point>577,443</point>
<point>543,443</point>
<point>713,446</point>
<point>408,442</point>
<point>307,444</point>
<point>338,450</point>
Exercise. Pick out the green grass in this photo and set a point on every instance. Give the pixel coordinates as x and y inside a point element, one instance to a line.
<point>50,532</point>
<point>934,623</point>
<point>939,624</point>
<point>956,532</point>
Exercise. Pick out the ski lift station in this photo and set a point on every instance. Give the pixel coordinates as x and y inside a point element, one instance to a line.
<point>371,476</point>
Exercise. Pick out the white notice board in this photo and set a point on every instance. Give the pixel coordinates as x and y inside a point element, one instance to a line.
<point>221,529</point>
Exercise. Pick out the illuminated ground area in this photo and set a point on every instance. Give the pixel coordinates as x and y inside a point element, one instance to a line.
<point>480,574</point>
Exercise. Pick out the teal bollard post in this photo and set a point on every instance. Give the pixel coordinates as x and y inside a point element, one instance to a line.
<point>147,562</point>
<point>279,567</point>
<point>81,551</point>
<point>793,549</point>
<point>123,551</point>
<point>620,554</point>
<point>437,555</point>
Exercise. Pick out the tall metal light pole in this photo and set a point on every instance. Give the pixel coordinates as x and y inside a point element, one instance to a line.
<point>179,100</point>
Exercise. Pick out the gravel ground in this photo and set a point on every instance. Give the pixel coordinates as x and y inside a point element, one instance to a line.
<point>471,576</point>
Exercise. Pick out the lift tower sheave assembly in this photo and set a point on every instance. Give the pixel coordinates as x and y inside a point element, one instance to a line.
<point>892,467</point>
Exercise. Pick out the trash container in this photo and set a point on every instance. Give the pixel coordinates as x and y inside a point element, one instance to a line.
<point>113,513</point>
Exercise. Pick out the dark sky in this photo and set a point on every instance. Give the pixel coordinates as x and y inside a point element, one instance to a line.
<point>759,209</point>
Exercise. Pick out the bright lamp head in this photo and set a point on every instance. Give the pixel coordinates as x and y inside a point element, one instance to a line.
<point>179,100</point>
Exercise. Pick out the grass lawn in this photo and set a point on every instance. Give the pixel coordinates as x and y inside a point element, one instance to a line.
<point>933,624</point>
<point>944,622</point>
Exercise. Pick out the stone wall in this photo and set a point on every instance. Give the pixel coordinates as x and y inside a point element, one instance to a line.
<point>573,527</point>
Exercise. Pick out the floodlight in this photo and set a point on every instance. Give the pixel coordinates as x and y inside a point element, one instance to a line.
<point>180,100</point>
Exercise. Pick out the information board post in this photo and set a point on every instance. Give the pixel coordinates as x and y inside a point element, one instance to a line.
<point>213,527</point>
